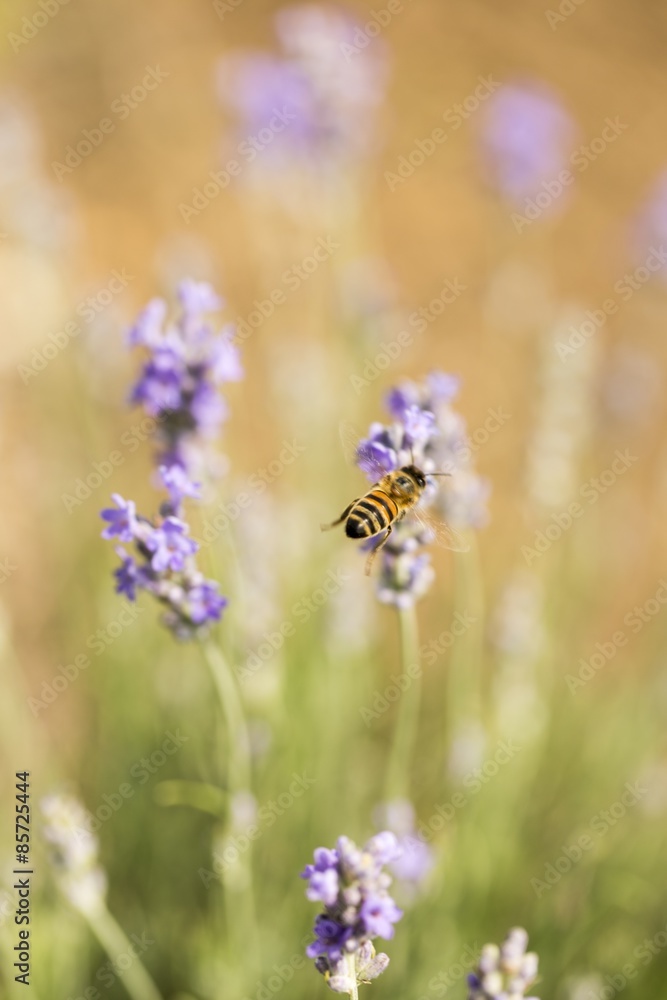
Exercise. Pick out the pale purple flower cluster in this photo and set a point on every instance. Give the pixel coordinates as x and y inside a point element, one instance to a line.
<point>430,434</point>
<point>162,563</point>
<point>352,886</point>
<point>315,102</point>
<point>178,386</point>
<point>504,973</point>
<point>526,138</point>
<point>179,383</point>
<point>413,866</point>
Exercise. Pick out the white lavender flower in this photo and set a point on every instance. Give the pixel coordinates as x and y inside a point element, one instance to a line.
<point>73,849</point>
<point>504,973</point>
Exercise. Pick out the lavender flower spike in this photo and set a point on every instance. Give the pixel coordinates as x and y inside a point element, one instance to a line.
<point>185,364</point>
<point>427,432</point>
<point>526,139</point>
<point>504,973</point>
<point>352,886</point>
<point>73,850</point>
<point>163,564</point>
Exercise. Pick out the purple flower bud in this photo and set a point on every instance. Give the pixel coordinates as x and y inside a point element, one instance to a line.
<point>122,519</point>
<point>526,139</point>
<point>170,545</point>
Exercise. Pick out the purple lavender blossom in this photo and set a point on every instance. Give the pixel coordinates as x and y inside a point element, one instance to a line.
<point>170,545</point>
<point>175,480</point>
<point>526,139</point>
<point>416,859</point>
<point>430,434</point>
<point>316,100</point>
<point>179,384</point>
<point>352,886</point>
<point>162,563</point>
<point>121,518</point>
<point>504,972</point>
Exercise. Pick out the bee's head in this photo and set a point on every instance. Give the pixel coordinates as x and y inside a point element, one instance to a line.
<point>415,474</point>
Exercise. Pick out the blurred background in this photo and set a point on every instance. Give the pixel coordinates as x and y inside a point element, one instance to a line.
<point>414,186</point>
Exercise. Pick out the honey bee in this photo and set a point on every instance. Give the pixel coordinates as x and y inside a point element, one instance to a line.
<point>394,495</point>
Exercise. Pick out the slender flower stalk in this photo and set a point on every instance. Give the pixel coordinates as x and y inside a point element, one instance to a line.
<point>239,894</point>
<point>357,908</point>
<point>405,733</point>
<point>73,850</point>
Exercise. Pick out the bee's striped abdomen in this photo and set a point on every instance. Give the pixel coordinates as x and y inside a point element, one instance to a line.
<point>371,515</point>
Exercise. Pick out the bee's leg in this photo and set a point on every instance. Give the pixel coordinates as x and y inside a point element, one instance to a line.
<point>343,516</point>
<point>372,554</point>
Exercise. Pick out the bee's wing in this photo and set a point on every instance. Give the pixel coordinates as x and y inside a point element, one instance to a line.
<point>442,533</point>
<point>351,439</point>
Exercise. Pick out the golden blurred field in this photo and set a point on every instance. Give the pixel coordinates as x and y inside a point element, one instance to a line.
<point>65,234</point>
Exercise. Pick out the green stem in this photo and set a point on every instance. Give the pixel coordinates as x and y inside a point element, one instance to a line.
<point>405,734</point>
<point>113,939</point>
<point>464,685</point>
<point>238,884</point>
<point>352,972</point>
<point>238,742</point>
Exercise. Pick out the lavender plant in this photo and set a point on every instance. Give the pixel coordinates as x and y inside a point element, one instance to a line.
<point>350,883</point>
<point>315,101</point>
<point>179,386</point>
<point>525,141</point>
<point>185,365</point>
<point>74,856</point>
<point>505,972</point>
<point>429,432</point>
